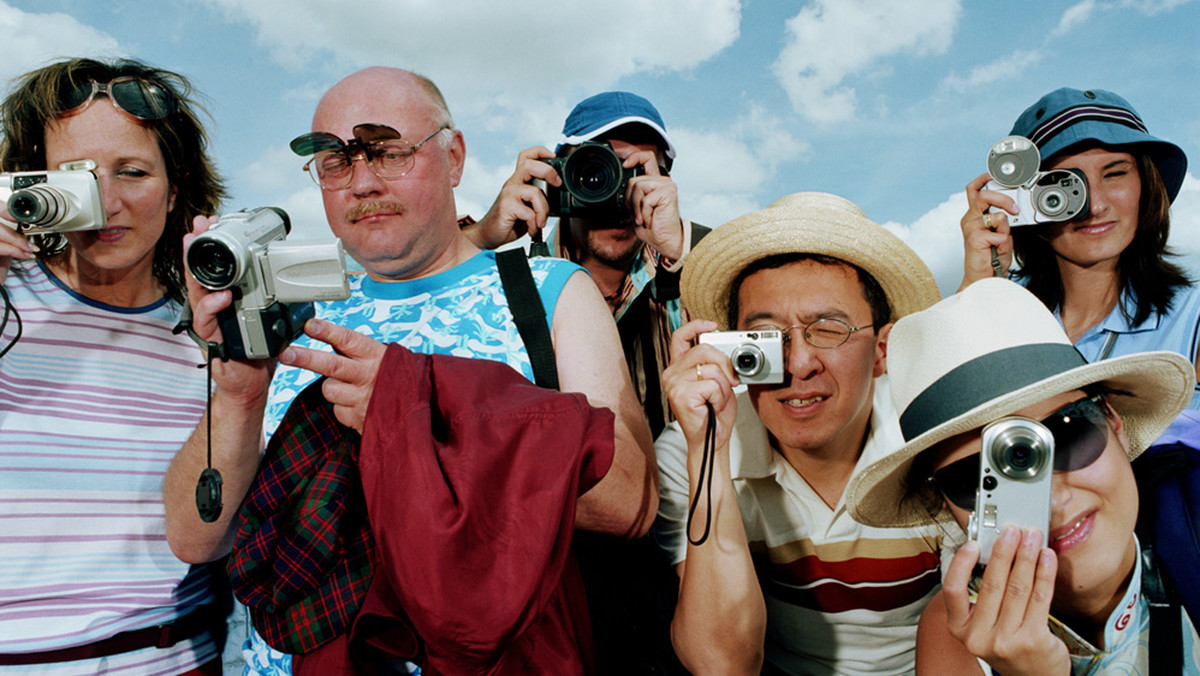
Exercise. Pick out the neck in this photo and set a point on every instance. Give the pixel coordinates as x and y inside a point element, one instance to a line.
<point>1089,294</point>
<point>609,279</point>
<point>1088,611</point>
<point>455,251</point>
<point>828,469</point>
<point>134,286</point>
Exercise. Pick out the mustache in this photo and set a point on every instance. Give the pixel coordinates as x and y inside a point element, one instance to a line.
<point>373,207</point>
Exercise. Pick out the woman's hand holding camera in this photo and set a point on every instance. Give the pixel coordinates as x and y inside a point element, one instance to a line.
<point>983,229</point>
<point>1007,624</point>
<point>13,245</point>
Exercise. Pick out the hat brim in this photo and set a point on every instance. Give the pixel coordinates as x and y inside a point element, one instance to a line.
<point>1168,157</point>
<point>1148,390</point>
<point>808,223</point>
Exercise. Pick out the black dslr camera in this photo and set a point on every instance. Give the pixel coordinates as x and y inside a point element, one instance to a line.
<point>594,182</point>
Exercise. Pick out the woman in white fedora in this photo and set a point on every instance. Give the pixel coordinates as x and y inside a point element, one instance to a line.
<point>1067,601</point>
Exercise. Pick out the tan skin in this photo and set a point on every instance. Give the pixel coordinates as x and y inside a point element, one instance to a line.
<point>403,228</point>
<point>817,419</point>
<point>606,252</point>
<point>113,265</point>
<point>1087,249</point>
<point>1080,577</point>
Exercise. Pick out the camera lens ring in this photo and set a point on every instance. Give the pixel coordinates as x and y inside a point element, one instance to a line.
<point>1021,452</point>
<point>748,360</point>
<point>592,174</point>
<point>39,205</point>
<point>1052,201</point>
<point>214,263</point>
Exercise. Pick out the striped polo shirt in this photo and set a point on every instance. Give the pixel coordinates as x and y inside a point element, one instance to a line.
<point>94,403</point>
<point>841,597</point>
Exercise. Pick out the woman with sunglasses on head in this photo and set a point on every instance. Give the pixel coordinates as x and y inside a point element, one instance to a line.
<point>96,392</point>
<point>1107,273</point>
<point>1059,597</point>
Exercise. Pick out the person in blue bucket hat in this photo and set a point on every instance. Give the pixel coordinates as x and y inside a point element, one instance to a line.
<point>1107,274</point>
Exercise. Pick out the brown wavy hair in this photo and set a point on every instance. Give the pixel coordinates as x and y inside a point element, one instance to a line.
<point>37,99</point>
<point>1143,268</point>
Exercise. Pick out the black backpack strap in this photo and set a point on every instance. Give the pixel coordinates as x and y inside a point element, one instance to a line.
<point>528,314</point>
<point>1166,623</point>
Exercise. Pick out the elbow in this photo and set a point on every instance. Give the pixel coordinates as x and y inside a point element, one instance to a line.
<point>722,656</point>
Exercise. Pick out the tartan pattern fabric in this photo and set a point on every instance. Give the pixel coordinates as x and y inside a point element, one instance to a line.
<point>302,558</point>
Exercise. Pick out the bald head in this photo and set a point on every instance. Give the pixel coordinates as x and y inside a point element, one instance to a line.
<point>377,91</point>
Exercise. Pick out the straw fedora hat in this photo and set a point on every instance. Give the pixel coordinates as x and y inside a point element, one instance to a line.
<point>985,353</point>
<point>807,222</point>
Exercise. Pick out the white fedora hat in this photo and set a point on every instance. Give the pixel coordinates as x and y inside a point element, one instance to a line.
<point>987,352</point>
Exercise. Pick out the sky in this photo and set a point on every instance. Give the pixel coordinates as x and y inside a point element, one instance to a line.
<point>892,104</point>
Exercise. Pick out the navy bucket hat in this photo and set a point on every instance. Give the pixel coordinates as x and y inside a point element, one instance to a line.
<point>598,114</point>
<point>1066,118</point>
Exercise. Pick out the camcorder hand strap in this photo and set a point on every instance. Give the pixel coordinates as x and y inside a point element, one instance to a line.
<point>708,461</point>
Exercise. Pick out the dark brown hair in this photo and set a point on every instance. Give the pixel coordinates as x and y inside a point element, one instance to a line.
<point>37,100</point>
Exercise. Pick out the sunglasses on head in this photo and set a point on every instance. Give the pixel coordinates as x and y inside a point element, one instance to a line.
<point>134,96</point>
<point>1080,433</point>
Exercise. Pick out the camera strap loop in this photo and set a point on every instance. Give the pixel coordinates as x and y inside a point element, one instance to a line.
<point>708,461</point>
<point>208,487</point>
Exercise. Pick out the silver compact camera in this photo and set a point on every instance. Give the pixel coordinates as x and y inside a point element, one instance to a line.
<point>1016,465</point>
<point>1041,196</point>
<point>274,281</point>
<point>757,356</point>
<point>42,202</point>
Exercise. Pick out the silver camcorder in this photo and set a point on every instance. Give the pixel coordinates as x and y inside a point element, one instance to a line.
<point>274,281</point>
<point>1016,464</point>
<point>757,356</point>
<point>1041,196</point>
<point>42,202</point>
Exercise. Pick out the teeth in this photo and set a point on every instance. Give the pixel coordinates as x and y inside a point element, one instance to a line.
<point>1074,527</point>
<point>804,402</point>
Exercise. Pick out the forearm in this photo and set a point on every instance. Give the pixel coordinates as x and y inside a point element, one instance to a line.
<point>236,450</point>
<point>625,501</point>
<point>720,620</point>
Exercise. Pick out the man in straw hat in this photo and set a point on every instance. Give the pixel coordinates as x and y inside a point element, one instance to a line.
<point>785,573</point>
<point>991,352</point>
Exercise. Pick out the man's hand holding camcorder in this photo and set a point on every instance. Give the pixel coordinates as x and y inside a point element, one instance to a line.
<point>654,204</point>
<point>351,370</point>
<point>521,207</point>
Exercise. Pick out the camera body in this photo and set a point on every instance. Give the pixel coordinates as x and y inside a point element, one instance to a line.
<point>43,202</point>
<point>1041,196</point>
<point>1016,465</point>
<point>757,356</point>
<point>273,281</point>
<point>594,182</point>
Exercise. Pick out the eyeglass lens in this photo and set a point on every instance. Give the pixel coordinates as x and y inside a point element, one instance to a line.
<point>1080,437</point>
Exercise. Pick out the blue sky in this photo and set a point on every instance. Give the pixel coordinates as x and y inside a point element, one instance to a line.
<point>890,103</point>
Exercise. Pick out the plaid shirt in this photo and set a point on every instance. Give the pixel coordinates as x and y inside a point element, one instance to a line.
<point>303,555</point>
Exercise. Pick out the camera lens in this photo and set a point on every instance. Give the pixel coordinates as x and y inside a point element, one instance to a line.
<point>40,205</point>
<point>1020,457</point>
<point>592,174</point>
<point>1020,451</point>
<point>747,360</point>
<point>213,264</point>
<point>1051,202</point>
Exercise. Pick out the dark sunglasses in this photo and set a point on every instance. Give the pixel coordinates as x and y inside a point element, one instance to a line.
<point>1080,433</point>
<point>134,96</point>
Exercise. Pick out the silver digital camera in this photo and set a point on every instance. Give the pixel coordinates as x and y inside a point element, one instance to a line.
<point>1041,196</point>
<point>1016,464</point>
<point>757,356</point>
<point>42,202</point>
<point>273,281</point>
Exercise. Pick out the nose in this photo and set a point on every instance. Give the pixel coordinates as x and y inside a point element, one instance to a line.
<point>1060,498</point>
<point>364,181</point>
<point>110,194</point>
<point>802,360</point>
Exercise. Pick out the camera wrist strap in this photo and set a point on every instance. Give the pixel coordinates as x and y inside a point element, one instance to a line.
<point>708,461</point>
<point>208,487</point>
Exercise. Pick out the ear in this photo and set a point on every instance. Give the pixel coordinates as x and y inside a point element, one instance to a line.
<point>1117,425</point>
<point>457,153</point>
<point>171,198</point>
<point>881,339</point>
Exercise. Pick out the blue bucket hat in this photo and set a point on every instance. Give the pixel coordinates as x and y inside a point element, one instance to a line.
<point>1066,118</point>
<point>607,110</point>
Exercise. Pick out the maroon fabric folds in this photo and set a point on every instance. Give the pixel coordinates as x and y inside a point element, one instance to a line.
<point>471,475</point>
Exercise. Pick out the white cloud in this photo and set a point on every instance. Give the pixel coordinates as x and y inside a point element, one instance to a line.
<point>1074,16</point>
<point>1185,224</point>
<point>831,40</point>
<point>543,46</point>
<point>1003,69</point>
<point>35,39</point>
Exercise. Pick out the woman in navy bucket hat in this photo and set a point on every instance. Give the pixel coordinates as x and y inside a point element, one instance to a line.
<point>1107,274</point>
